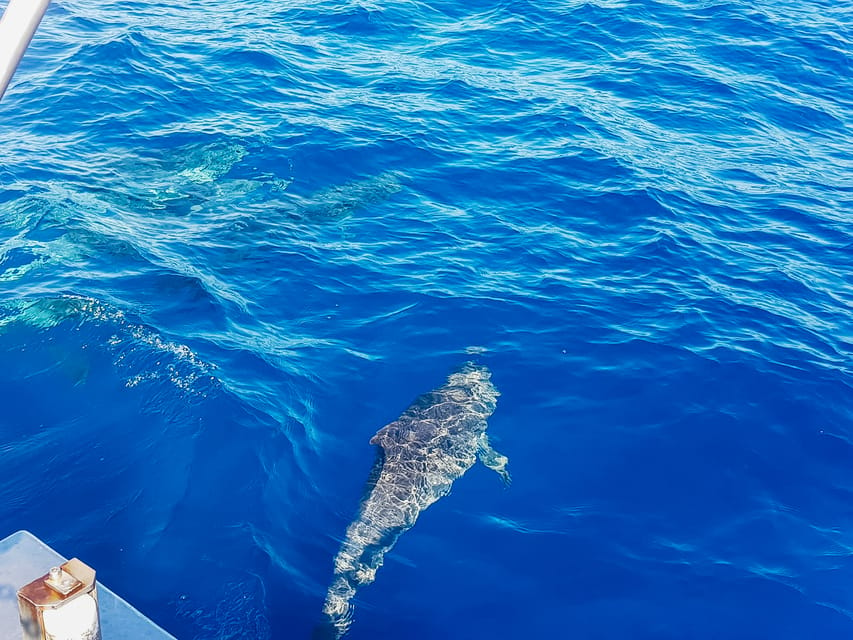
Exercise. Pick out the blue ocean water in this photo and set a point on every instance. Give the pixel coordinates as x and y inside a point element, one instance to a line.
<point>238,238</point>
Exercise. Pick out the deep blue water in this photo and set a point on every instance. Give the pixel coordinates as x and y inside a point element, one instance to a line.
<point>238,238</point>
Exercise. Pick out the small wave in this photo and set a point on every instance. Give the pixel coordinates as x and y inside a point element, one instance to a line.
<point>133,346</point>
<point>238,613</point>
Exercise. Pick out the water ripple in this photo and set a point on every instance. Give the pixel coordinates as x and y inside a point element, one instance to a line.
<point>236,240</point>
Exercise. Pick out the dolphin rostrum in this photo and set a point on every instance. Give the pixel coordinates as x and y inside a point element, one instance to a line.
<point>420,454</point>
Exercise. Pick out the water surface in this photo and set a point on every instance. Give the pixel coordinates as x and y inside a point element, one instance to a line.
<point>238,238</point>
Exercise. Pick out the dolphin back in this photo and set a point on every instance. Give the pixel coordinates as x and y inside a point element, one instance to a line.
<point>434,442</point>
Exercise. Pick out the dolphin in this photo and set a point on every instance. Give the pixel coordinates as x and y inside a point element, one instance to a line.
<point>341,200</point>
<point>436,440</point>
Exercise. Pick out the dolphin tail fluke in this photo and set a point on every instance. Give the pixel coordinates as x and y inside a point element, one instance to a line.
<point>337,610</point>
<point>493,460</point>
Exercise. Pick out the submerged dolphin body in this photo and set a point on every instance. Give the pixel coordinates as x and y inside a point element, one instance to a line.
<point>420,454</point>
<point>341,200</point>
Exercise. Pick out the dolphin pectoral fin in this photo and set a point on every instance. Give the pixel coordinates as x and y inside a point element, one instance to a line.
<point>494,460</point>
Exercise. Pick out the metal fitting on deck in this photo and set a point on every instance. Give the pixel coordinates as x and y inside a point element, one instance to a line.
<point>61,605</point>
